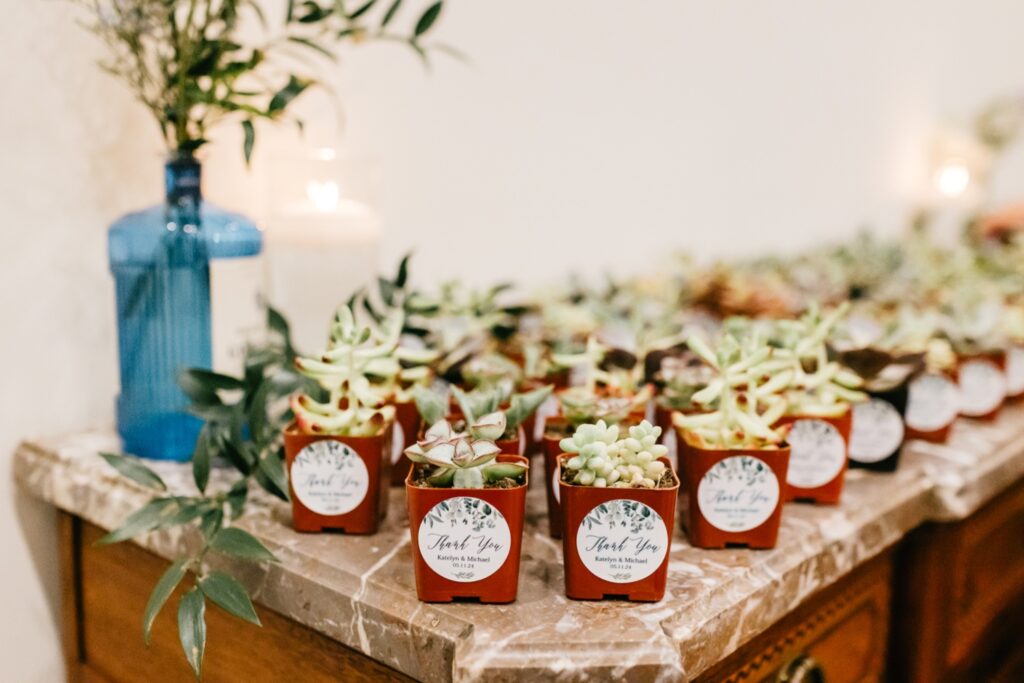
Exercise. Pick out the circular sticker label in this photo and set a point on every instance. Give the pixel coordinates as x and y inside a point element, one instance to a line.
<point>329,478</point>
<point>554,482</point>
<point>1015,371</point>
<point>933,403</point>
<point>464,539</point>
<point>982,387</point>
<point>738,493</point>
<point>877,431</point>
<point>622,541</point>
<point>397,443</point>
<point>818,453</point>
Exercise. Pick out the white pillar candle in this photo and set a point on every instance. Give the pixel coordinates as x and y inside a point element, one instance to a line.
<point>318,252</point>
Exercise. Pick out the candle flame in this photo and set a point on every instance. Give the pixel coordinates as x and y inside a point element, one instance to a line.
<point>324,194</point>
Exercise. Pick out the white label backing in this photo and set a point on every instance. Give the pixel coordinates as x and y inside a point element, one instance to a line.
<point>738,493</point>
<point>982,387</point>
<point>464,539</point>
<point>877,431</point>
<point>329,478</point>
<point>934,402</point>
<point>818,453</point>
<point>622,541</point>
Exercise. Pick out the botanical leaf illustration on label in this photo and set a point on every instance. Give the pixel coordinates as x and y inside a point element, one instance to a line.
<point>933,403</point>
<point>329,478</point>
<point>622,541</point>
<point>982,387</point>
<point>464,539</point>
<point>877,431</point>
<point>738,493</point>
<point>818,453</point>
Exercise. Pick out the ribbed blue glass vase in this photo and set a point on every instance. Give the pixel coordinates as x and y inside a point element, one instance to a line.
<point>160,259</point>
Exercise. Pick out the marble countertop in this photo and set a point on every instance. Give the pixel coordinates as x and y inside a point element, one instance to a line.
<point>360,590</point>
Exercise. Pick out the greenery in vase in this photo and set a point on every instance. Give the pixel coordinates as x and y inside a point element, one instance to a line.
<point>193,65</point>
<point>243,421</point>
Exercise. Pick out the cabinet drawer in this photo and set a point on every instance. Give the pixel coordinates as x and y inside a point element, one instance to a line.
<point>840,633</point>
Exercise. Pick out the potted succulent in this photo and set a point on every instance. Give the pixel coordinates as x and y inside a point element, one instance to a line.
<point>481,408</point>
<point>818,409</point>
<point>588,403</point>
<point>733,457</point>
<point>878,431</point>
<point>338,452</point>
<point>933,403</point>
<point>972,326</point>
<point>466,503</point>
<point>618,497</point>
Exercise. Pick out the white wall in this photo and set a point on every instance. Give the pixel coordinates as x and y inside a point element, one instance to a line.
<point>582,135</point>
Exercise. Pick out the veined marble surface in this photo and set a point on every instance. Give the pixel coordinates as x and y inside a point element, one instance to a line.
<point>360,590</point>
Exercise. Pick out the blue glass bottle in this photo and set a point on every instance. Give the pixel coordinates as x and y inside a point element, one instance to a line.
<point>160,258</point>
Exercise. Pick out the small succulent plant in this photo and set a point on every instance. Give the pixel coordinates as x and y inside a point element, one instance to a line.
<point>819,387</point>
<point>679,379</point>
<point>746,398</point>
<point>481,409</point>
<point>603,459</point>
<point>464,459</point>
<point>588,402</point>
<point>357,360</point>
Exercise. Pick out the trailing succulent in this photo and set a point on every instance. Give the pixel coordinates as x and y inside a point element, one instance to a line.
<point>603,459</point>
<point>590,402</point>
<point>745,399</point>
<point>819,387</point>
<point>465,459</point>
<point>360,370</point>
<point>482,407</point>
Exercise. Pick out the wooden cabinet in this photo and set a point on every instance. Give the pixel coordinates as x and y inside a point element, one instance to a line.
<point>960,598</point>
<point>105,594</point>
<point>839,635</point>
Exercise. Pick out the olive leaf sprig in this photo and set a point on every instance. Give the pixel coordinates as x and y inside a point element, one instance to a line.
<point>190,64</point>
<point>243,420</point>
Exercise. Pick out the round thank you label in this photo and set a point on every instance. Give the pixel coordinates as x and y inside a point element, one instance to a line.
<point>738,493</point>
<point>464,539</point>
<point>933,403</point>
<point>877,431</point>
<point>982,387</point>
<point>397,443</point>
<point>622,541</point>
<point>1015,371</point>
<point>818,453</point>
<point>329,478</point>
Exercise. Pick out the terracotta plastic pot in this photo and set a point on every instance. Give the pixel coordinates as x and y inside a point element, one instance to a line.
<point>877,436</point>
<point>466,542</point>
<point>516,446</point>
<point>407,426</point>
<point>552,473</point>
<point>982,380</point>
<point>616,541</point>
<point>338,483</point>
<point>733,497</point>
<point>1015,372</point>
<point>817,461</point>
<point>933,404</point>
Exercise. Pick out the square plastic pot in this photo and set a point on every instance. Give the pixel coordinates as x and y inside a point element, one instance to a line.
<point>466,543</point>
<point>616,541</point>
<point>818,457</point>
<point>338,483</point>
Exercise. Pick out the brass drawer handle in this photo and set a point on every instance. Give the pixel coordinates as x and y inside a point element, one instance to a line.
<point>801,669</point>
